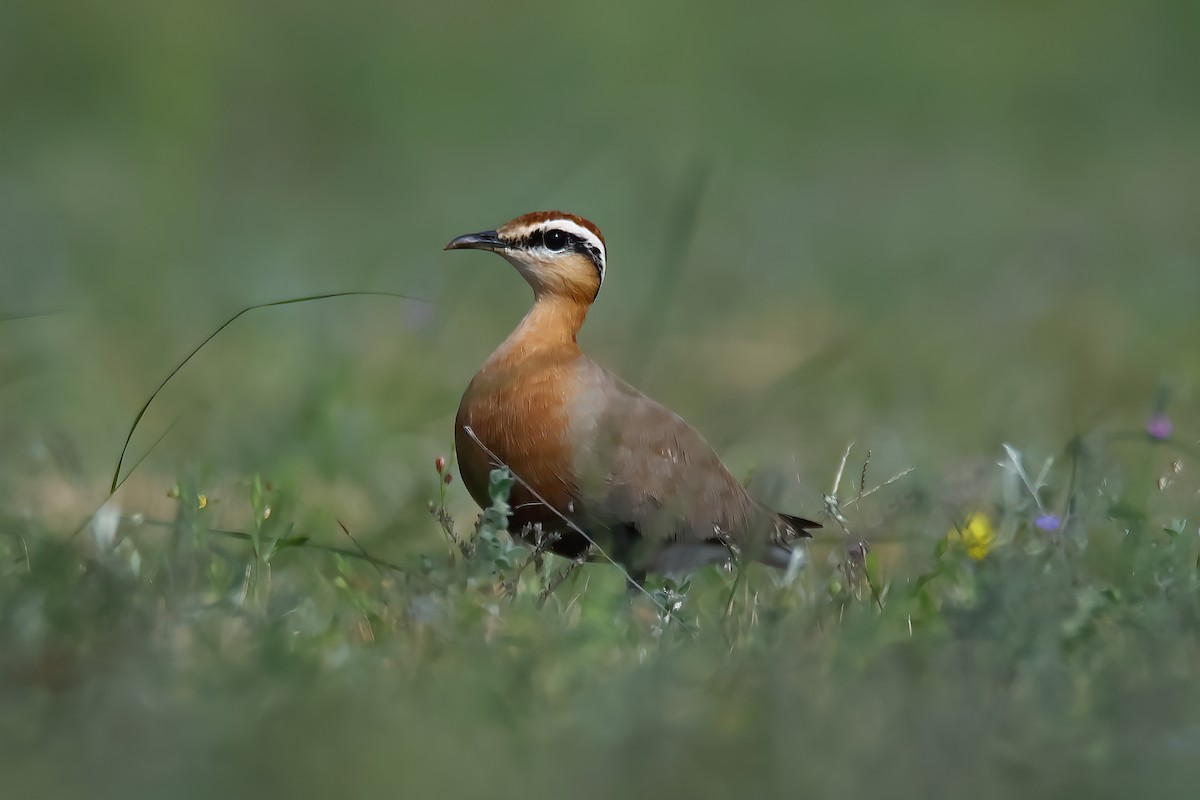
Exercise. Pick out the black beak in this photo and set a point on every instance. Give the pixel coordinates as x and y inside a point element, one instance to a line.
<point>484,240</point>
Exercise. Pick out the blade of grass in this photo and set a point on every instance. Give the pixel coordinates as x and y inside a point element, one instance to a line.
<point>32,315</point>
<point>116,479</point>
<point>362,550</point>
<point>290,542</point>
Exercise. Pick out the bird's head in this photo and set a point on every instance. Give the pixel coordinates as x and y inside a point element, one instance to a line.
<point>557,253</point>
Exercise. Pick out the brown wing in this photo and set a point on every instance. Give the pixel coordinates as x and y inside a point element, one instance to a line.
<point>639,465</point>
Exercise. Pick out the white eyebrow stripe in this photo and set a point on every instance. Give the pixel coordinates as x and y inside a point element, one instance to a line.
<point>575,229</point>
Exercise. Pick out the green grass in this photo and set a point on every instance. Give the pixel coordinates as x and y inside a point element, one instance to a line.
<point>929,229</point>
<point>183,662</point>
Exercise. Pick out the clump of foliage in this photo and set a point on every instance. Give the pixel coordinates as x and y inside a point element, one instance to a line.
<point>1043,642</point>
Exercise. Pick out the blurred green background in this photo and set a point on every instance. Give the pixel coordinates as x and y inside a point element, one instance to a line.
<point>926,227</point>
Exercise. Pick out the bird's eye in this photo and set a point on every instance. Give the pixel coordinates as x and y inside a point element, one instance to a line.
<point>555,240</point>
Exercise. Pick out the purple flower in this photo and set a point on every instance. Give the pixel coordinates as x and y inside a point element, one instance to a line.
<point>1048,522</point>
<point>1159,427</point>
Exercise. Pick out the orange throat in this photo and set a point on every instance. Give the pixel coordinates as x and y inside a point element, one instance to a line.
<point>551,325</point>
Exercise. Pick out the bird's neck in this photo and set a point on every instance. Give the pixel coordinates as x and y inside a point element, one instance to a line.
<point>552,324</point>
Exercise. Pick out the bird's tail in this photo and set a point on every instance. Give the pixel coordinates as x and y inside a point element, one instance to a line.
<point>800,527</point>
<point>788,528</point>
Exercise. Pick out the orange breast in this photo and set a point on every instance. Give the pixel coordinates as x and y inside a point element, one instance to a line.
<point>517,409</point>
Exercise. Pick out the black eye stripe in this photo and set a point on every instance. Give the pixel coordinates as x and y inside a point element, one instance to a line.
<point>573,243</point>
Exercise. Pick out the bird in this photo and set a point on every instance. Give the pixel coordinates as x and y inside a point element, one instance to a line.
<point>596,463</point>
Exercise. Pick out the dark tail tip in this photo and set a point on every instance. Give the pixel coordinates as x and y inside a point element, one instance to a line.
<point>800,525</point>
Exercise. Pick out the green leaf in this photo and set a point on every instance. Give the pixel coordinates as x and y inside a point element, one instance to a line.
<point>500,483</point>
<point>871,565</point>
<point>1176,527</point>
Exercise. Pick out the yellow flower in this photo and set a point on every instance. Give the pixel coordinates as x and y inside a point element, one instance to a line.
<point>202,500</point>
<point>976,536</point>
